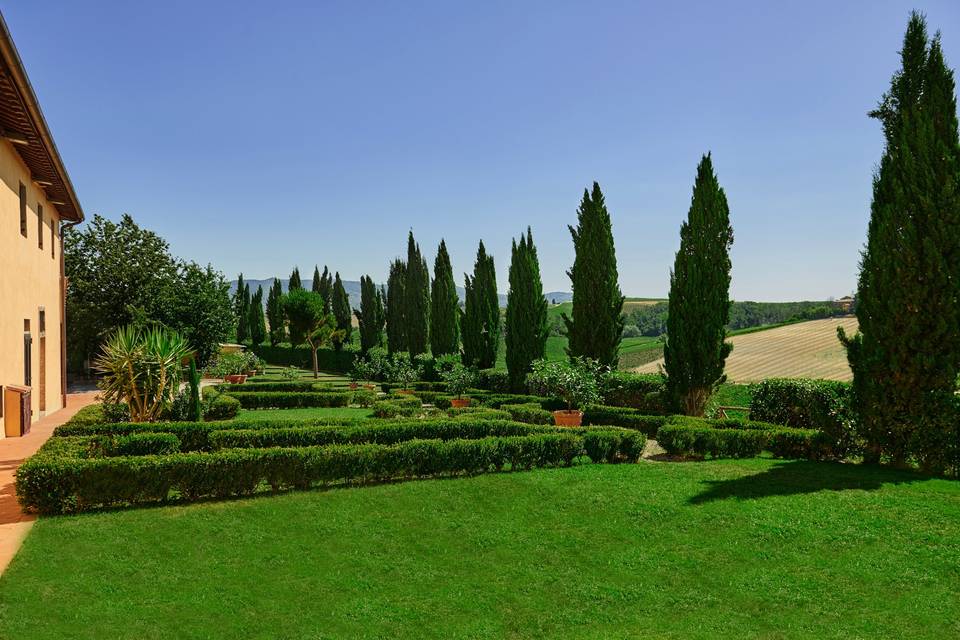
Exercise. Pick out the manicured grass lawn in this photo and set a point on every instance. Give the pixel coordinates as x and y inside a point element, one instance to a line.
<point>754,548</point>
<point>305,413</point>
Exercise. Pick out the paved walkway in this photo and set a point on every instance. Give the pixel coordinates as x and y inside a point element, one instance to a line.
<point>14,524</point>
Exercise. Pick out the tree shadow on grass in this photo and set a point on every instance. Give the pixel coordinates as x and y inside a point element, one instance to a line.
<point>802,476</point>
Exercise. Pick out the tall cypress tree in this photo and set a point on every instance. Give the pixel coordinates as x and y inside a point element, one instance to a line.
<point>341,313</point>
<point>294,282</point>
<point>526,323</point>
<point>480,322</point>
<point>416,313</point>
<point>258,325</point>
<point>396,328</point>
<point>906,356</point>
<point>243,314</point>
<point>370,315</point>
<point>316,282</point>
<point>324,286</point>
<point>597,323</point>
<point>699,307</point>
<point>275,315</point>
<point>238,307</point>
<point>444,306</point>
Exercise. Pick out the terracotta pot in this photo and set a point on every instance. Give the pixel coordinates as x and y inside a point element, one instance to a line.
<point>370,387</point>
<point>568,418</point>
<point>459,403</point>
<point>405,392</point>
<point>353,386</point>
<point>235,378</point>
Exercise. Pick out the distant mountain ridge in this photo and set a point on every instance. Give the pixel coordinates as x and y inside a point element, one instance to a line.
<point>352,288</point>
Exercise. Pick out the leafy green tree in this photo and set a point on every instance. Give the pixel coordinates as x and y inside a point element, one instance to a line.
<point>119,272</point>
<point>596,326</point>
<point>341,313</point>
<point>370,315</point>
<point>396,327</point>
<point>258,324</point>
<point>480,321</point>
<point>294,282</point>
<point>275,314</point>
<point>196,303</point>
<point>304,311</point>
<point>444,307</point>
<point>242,303</point>
<point>699,307</point>
<point>526,323</point>
<point>906,356</point>
<point>416,312</point>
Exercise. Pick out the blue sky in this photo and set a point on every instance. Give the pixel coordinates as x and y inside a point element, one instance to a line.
<point>256,136</point>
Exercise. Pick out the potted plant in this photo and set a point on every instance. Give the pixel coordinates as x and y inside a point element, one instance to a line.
<point>253,363</point>
<point>404,373</point>
<point>459,378</point>
<point>575,383</point>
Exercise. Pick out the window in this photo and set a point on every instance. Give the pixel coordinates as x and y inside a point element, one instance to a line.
<point>43,322</point>
<point>23,210</point>
<point>40,225</point>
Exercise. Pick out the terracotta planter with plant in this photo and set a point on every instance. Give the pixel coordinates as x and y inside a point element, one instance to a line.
<point>575,383</point>
<point>458,379</point>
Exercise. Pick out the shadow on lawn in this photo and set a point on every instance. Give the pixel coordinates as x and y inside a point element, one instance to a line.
<point>802,476</point>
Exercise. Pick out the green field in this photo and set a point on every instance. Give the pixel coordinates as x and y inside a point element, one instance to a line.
<point>753,548</point>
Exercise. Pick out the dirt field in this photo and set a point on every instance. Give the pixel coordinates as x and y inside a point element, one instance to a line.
<point>803,350</point>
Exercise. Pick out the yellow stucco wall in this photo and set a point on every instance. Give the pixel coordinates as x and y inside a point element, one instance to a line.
<point>29,279</point>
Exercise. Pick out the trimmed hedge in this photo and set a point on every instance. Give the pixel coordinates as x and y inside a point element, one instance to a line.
<point>50,485</point>
<point>389,433</point>
<point>284,385</point>
<point>136,444</point>
<point>530,413</point>
<point>596,414</point>
<point>478,412</point>
<point>495,380</point>
<point>690,439</point>
<point>288,400</point>
<point>643,391</point>
<point>222,408</point>
<point>399,406</point>
<point>812,404</point>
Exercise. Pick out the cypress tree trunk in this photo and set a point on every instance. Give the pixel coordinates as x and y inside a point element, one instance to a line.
<point>444,307</point>
<point>341,313</point>
<point>416,300</point>
<point>526,322</point>
<point>906,356</point>
<point>597,323</point>
<point>481,315</point>
<point>699,309</point>
<point>396,334</point>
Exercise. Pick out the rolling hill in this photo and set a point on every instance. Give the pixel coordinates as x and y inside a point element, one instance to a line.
<point>801,350</point>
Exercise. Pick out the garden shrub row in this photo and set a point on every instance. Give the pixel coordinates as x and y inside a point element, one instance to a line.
<point>281,385</point>
<point>291,399</point>
<point>531,413</point>
<point>811,404</point>
<point>642,391</point>
<point>689,438</point>
<point>398,406</point>
<point>596,414</point>
<point>376,433</point>
<point>478,412</point>
<point>49,484</point>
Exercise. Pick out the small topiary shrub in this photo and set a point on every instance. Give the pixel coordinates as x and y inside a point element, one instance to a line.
<point>222,407</point>
<point>495,380</point>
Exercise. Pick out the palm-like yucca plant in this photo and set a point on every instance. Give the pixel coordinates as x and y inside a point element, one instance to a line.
<point>142,368</point>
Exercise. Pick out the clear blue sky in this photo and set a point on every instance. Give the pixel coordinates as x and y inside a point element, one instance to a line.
<point>258,136</point>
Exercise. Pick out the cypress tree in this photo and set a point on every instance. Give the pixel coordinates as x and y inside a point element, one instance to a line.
<point>324,286</point>
<point>275,314</point>
<point>699,307</point>
<point>906,356</point>
<point>341,313</point>
<point>597,323</point>
<point>238,305</point>
<point>294,282</point>
<point>258,325</point>
<point>416,313</point>
<point>480,322</point>
<point>526,322</point>
<point>444,307</point>
<point>370,315</point>
<point>243,315</point>
<point>396,335</point>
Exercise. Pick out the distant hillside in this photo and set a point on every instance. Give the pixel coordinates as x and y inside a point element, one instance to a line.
<point>353,291</point>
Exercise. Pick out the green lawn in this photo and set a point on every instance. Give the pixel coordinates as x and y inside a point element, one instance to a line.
<point>304,413</point>
<point>753,548</point>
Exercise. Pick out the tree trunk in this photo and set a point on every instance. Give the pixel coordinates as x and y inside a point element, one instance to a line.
<point>313,351</point>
